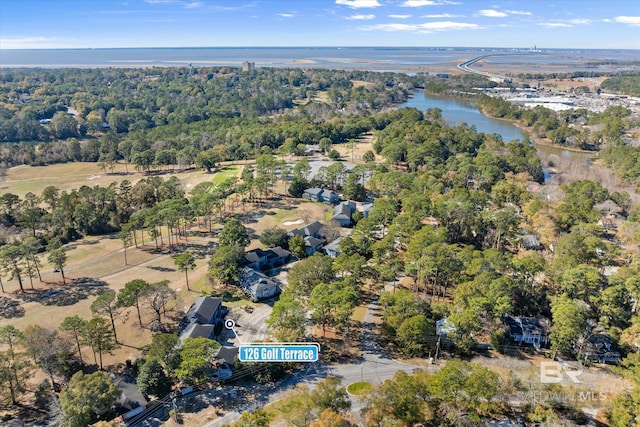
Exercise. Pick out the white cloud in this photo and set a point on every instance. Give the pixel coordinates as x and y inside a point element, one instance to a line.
<point>631,20</point>
<point>193,5</point>
<point>555,25</point>
<point>518,12</point>
<point>421,3</point>
<point>356,4</point>
<point>161,1</point>
<point>492,13</point>
<point>360,17</point>
<point>442,15</point>
<point>31,42</point>
<point>286,15</point>
<point>427,27</point>
<point>399,16</point>
<point>579,21</point>
<point>568,23</point>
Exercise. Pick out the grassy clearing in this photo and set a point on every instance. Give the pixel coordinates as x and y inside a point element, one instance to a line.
<point>360,388</point>
<point>358,314</point>
<point>68,176</point>
<point>226,173</point>
<point>362,83</point>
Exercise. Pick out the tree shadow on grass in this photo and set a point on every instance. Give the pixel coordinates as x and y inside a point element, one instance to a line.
<point>163,269</point>
<point>10,308</point>
<point>202,250</point>
<point>69,294</point>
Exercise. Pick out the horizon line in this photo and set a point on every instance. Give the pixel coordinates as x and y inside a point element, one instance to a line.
<point>537,48</point>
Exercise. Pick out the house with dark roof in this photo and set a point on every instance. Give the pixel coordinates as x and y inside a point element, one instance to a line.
<point>322,195</point>
<point>260,259</point>
<point>364,209</point>
<point>600,348</point>
<point>312,245</point>
<point>528,330</point>
<point>206,310</point>
<point>530,241</point>
<point>333,248</point>
<point>203,319</point>
<point>257,284</point>
<point>312,229</point>
<point>195,330</point>
<point>342,213</point>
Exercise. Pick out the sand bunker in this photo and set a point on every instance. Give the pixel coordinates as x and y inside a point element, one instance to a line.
<point>296,222</point>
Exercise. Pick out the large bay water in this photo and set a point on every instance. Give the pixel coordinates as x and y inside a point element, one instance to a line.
<point>407,59</point>
<point>457,111</point>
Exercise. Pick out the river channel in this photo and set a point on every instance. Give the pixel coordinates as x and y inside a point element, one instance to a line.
<point>555,160</point>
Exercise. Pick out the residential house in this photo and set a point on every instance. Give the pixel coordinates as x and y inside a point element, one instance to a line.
<point>528,330</point>
<point>196,330</point>
<point>204,318</point>
<point>364,209</point>
<point>257,284</point>
<point>322,195</point>
<point>206,310</point>
<point>342,213</point>
<point>600,348</point>
<point>333,248</point>
<point>312,245</point>
<point>260,259</point>
<point>530,241</point>
<point>444,327</point>
<point>131,398</point>
<point>313,229</point>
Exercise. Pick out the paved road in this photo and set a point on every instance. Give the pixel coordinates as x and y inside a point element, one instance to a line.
<point>373,366</point>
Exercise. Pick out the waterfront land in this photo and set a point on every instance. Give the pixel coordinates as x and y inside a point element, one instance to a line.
<point>445,199</point>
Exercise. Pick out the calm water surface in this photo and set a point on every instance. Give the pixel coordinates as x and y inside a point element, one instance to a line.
<point>457,111</point>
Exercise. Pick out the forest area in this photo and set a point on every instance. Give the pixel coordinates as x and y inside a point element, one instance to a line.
<point>464,216</point>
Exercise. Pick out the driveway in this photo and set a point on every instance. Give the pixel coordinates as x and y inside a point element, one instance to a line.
<point>374,366</point>
<point>250,326</point>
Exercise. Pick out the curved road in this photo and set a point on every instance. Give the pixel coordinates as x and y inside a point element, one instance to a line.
<point>374,367</point>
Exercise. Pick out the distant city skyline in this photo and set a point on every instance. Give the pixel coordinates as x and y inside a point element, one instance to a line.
<point>44,24</point>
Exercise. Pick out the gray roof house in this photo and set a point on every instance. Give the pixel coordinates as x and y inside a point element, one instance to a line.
<point>311,229</point>
<point>322,195</point>
<point>342,213</point>
<point>205,310</point>
<point>195,330</point>
<point>204,318</point>
<point>260,259</point>
<point>365,208</point>
<point>600,348</point>
<point>333,248</point>
<point>528,330</point>
<point>530,241</point>
<point>257,284</point>
<point>312,245</point>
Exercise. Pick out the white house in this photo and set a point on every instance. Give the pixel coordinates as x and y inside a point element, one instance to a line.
<point>257,284</point>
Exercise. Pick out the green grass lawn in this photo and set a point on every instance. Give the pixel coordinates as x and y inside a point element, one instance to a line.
<point>224,173</point>
<point>359,388</point>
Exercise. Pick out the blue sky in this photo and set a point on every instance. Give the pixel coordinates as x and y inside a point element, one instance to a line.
<point>177,23</point>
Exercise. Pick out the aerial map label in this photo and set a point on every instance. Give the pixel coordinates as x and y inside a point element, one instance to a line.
<point>280,352</point>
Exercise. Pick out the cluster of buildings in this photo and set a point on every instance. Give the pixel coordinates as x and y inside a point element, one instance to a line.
<point>595,345</point>
<point>560,100</point>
